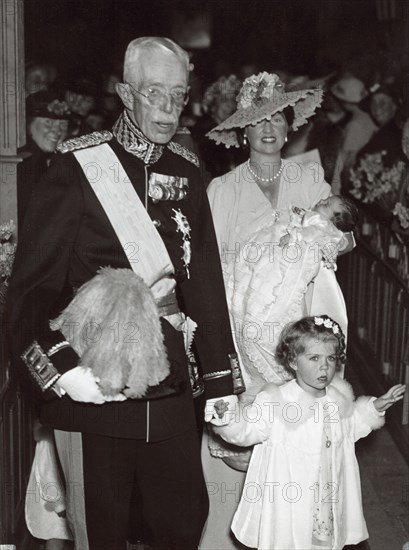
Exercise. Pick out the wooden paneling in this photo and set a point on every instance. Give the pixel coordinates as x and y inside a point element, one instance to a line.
<point>16,441</point>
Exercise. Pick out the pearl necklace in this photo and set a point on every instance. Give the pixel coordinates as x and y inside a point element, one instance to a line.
<point>265,180</point>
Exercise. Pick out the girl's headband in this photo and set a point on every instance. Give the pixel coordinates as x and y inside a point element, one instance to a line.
<point>328,323</point>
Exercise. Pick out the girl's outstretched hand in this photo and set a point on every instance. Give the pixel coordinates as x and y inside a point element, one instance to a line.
<point>392,396</point>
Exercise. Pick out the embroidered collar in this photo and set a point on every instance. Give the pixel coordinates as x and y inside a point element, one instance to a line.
<point>134,141</point>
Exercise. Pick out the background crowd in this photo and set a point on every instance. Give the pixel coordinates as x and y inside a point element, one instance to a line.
<point>357,132</point>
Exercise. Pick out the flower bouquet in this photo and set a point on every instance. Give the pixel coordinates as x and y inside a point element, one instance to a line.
<point>401,210</point>
<point>7,252</point>
<point>375,183</point>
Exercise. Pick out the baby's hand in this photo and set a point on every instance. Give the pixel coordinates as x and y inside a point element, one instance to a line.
<point>284,241</point>
<point>392,396</point>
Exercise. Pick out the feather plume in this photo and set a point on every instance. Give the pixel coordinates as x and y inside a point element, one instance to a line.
<point>113,325</point>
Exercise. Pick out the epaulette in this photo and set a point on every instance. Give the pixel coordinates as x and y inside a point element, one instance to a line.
<point>184,152</point>
<point>88,140</point>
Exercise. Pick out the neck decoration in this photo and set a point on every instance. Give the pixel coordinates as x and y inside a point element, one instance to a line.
<point>265,180</point>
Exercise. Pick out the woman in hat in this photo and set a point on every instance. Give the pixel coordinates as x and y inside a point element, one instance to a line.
<point>351,92</point>
<point>47,126</point>
<point>242,201</point>
<point>48,118</point>
<point>384,103</point>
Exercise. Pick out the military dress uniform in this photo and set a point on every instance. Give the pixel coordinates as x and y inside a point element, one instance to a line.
<point>66,238</point>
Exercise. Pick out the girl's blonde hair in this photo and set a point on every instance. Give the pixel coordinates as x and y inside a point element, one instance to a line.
<point>294,335</point>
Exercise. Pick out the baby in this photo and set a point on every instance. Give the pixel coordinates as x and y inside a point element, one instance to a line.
<point>266,285</point>
<point>318,225</point>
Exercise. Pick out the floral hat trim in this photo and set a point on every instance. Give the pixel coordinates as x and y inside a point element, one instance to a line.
<point>327,323</point>
<point>58,108</point>
<point>42,104</point>
<point>260,97</point>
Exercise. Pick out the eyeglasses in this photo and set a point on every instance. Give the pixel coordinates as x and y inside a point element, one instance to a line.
<point>156,95</point>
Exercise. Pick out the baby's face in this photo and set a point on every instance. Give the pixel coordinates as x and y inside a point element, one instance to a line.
<point>329,207</point>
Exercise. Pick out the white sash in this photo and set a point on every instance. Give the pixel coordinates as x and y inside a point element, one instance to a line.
<point>140,240</point>
<point>134,228</point>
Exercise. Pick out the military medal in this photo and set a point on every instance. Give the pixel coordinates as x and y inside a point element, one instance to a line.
<point>167,188</point>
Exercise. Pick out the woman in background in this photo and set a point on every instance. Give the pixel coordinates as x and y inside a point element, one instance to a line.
<point>48,119</point>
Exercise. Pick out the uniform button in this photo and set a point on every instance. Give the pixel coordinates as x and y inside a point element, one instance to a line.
<point>157,223</point>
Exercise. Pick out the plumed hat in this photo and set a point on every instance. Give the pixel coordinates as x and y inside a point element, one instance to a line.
<point>260,97</point>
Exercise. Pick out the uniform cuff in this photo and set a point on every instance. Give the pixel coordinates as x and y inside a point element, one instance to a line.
<point>46,365</point>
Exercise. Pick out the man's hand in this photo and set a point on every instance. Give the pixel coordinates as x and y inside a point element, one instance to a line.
<point>221,410</point>
<point>392,396</point>
<point>81,385</point>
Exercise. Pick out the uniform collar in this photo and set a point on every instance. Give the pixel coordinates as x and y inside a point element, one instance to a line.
<point>134,141</point>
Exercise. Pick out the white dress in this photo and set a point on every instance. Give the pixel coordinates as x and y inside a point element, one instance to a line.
<point>294,496</point>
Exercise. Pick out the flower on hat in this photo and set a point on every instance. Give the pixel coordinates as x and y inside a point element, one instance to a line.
<point>256,88</point>
<point>58,107</point>
<point>318,320</point>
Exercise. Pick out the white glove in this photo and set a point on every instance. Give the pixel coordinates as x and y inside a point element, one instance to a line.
<point>221,411</point>
<point>81,385</point>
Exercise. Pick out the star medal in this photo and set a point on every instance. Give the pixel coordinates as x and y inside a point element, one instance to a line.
<point>184,228</point>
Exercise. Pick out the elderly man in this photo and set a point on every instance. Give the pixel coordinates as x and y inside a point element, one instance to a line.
<point>127,199</point>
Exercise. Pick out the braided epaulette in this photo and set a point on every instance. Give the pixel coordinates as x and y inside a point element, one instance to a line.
<point>179,149</point>
<point>87,140</point>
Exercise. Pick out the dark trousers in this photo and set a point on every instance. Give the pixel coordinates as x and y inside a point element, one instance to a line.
<point>169,480</point>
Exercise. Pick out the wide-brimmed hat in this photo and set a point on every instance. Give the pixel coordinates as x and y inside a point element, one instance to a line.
<point>349,89</point>
<point>47,104</point>
<point>260,97</point>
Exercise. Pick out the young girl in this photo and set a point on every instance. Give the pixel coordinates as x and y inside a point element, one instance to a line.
<point>302,488</point>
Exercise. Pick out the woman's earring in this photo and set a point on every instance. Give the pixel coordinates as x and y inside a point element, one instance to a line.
<point>286,139</point>
<point>244,139</point>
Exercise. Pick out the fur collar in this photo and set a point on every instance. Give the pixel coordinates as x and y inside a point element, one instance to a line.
<point>293,401</point>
